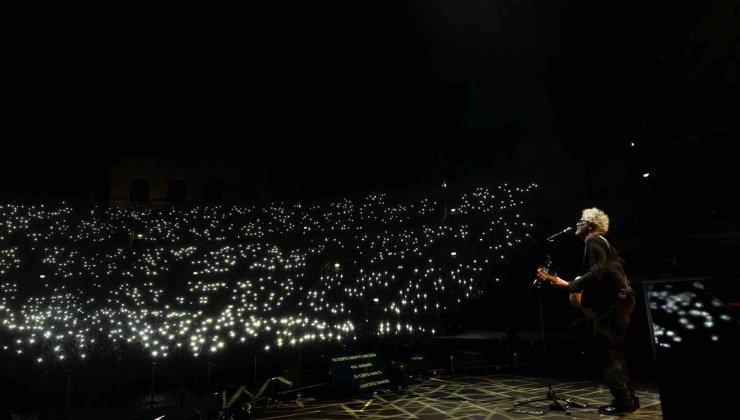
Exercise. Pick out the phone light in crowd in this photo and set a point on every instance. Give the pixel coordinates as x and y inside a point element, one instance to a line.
<point>646,174</point>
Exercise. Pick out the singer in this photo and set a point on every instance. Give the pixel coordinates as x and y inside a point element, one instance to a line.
<point>605,290</point>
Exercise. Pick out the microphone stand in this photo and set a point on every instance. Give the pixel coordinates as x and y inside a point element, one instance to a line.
<point>556,404</point>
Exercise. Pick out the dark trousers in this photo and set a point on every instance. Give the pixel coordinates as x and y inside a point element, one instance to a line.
<point>610,327</point>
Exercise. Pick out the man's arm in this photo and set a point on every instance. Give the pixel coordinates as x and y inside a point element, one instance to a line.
<point>575,286</point>
<point>559,282</point>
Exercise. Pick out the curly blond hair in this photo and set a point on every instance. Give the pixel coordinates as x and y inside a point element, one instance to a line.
<point>597,218</point>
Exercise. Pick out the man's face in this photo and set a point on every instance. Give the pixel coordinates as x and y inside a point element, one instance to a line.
<point>582,228</point>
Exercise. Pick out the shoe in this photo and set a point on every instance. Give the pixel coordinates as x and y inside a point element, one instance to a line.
<point>635,401</point>
<point>612,410</point>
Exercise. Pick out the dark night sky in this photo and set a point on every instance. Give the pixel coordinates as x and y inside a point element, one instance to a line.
<point>355,95</point>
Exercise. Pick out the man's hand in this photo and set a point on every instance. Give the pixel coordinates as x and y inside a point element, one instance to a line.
<point>544,275</point>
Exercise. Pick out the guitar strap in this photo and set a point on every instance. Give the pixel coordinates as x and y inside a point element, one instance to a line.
<point>622,292</point>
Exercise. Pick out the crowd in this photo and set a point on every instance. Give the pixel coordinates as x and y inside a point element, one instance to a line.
<point>84,282</point>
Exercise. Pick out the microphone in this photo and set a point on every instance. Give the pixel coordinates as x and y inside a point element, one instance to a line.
<point>566,230</point>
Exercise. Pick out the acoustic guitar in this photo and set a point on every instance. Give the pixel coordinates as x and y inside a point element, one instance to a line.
<point>574,298</point>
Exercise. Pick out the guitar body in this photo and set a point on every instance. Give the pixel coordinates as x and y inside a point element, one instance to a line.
<point>575,300</point>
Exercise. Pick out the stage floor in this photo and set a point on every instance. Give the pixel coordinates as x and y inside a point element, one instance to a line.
<point>498,396</point>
